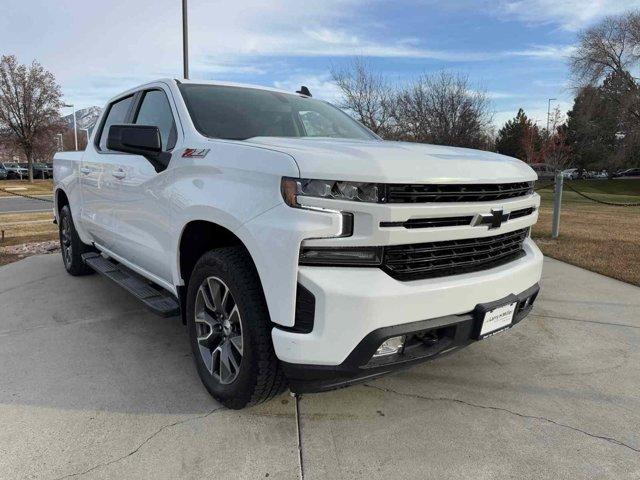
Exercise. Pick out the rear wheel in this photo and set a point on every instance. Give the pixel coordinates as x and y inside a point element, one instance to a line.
<point>71,246</point>
<point>229,330</point>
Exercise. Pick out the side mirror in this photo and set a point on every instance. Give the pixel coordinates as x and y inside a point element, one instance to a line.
<point>139,140</point>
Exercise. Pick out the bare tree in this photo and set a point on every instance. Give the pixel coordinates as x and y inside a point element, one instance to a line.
<point>554,148</point>
<point>443,109</point>
<point>47,143</point>
<point>30,100</point>
<point>531,143</point>
<point>609,47</point>
<point>367,96</point>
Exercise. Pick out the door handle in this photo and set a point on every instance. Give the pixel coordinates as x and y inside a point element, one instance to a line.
<point>85,170</point>
<point>119,174</point>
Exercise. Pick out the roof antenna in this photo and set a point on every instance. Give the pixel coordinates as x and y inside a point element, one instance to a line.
<point>304,91</point>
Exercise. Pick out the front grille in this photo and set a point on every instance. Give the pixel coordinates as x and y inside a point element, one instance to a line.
<point>452,257</point>
<point>418,193</point>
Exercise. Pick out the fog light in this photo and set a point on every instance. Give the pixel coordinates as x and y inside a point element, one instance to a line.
<point>390,347</point>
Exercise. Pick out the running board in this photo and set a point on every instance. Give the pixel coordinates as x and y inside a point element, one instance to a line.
<point>158,300</point>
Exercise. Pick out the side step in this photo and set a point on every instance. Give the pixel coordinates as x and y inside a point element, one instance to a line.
<point>154,297</point>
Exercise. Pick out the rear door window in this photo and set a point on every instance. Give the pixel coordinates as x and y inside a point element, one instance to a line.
<point>117,115</point>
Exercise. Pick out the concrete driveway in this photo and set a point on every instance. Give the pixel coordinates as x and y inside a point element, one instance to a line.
<point>93,386</point>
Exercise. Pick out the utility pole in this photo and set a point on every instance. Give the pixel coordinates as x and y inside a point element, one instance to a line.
<point>557,203</point>
<point>88,135</point>
<point>75,125</point>
<point>185,41</point>
<point>549,115</point>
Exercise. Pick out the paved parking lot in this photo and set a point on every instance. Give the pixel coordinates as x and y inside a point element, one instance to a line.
<point>14,204</point>
<point>93,386</point>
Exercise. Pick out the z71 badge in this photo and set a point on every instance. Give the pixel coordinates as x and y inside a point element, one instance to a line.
<point>195,152</point>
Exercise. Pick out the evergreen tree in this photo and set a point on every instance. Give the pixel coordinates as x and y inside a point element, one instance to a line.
<point>517,137</point>
<point>598,125</point>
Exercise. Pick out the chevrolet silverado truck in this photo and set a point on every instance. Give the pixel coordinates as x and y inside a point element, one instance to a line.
<point>298,247</point>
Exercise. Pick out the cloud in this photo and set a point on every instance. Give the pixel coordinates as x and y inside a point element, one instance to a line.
<point>97,49</point>
<point>569,14</point>
<point>547,52</point>
<point>503,95</point>
<point>321,86</point>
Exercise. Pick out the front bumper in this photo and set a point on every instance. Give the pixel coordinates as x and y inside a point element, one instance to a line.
<point>425,340</point>
<point>350,303</point>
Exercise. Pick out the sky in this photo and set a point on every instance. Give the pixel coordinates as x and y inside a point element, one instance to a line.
<point>514,50</point>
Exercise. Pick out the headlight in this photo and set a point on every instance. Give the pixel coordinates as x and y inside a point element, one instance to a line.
<point>332,189</point>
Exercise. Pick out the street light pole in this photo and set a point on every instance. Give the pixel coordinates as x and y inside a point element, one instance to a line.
<point>185,41</point>
<point>88,135</point>
<point>549,114</point>
<point>75,125</point>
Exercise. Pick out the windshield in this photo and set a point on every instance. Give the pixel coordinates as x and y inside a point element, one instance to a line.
<point>239,113</point>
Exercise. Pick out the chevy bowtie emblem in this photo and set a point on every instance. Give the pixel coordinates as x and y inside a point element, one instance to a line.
<point>493,219</point>
<point>195,152</point>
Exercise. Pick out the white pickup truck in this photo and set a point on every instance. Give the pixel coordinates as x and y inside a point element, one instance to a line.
<point>299,248</point>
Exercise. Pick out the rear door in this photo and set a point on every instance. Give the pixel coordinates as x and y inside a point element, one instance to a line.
<point>97,179</point>
<point>143,211</point>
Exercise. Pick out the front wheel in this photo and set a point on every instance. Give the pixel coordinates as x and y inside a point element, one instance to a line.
<point>229,330</point>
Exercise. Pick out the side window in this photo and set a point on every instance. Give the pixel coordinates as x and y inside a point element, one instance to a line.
<point>156,111</point>
<point>117,115</point>
<point>316,125</point>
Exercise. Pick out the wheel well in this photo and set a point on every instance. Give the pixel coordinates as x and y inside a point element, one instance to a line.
<point>198,237</point>
<point>61,199</point>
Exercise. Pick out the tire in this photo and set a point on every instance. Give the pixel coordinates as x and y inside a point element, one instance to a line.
<point>71,247</point>
<point>253,373</point>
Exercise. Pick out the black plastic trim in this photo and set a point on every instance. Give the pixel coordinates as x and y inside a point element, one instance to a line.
<point>305,311</point>
<point>438,222</point>
<point>359,366</point>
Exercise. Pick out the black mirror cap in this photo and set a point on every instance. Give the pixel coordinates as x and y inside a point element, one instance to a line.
<point>142,140</point>
<point>136,139</point>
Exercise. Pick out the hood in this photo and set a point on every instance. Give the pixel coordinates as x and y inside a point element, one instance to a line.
<point>396,162</point>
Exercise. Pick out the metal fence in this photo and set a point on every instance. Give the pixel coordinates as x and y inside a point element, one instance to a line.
<point>559,186</point>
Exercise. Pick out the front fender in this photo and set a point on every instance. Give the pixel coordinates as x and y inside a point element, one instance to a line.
<point>273,240</point>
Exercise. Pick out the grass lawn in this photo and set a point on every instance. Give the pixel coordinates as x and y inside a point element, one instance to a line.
<point>28,227</point>
<point>601,238</point>
<point>38,187</point>
<point>22,228</point>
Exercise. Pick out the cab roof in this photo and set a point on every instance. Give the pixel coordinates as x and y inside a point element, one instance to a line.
<point>174,81</point>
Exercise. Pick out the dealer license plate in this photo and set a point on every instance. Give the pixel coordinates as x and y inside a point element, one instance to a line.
<point>497,319</point>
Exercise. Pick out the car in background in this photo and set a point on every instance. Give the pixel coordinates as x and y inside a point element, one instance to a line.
<point>544,171</point>
<point>3,173</point>
<point>627,172</point>
<point>594,174</point>
<point>570,174</point>
<point>15,171</point>
<point>42,171</point>
<point>603,174</point>
<point>631,172</point>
